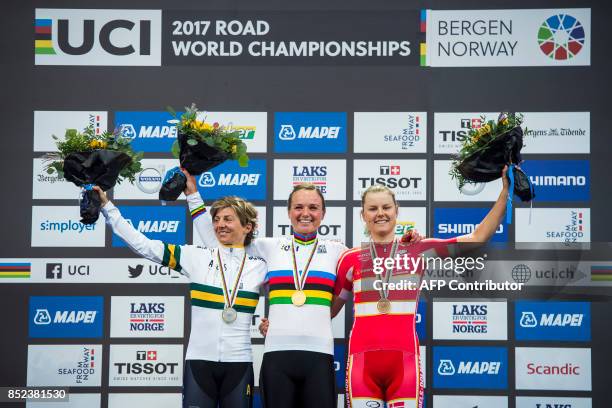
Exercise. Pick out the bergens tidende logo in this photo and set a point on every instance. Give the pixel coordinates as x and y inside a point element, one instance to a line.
<point>561,37</point>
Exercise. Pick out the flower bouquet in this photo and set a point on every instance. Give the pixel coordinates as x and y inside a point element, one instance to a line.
<point>88,159</point>
<point>200,146</point>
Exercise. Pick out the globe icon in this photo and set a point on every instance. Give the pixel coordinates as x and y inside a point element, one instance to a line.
<point>521,273</point>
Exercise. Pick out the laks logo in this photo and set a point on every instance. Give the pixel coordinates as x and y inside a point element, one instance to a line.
<point>162,223</point>
<point>553,402</point>
<point>316,175</point>
<point>555,321</point>
<point>470,318</point>
<point>299,132</point>
<point>146,316</point>
<point>229,179</point>
<point>66,316</point>
<point>470,367</point>
<point>553,369</point>
<point>145,365</point>
<point>97,37</point>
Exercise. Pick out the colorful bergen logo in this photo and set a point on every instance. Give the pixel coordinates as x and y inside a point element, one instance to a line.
<point>231,179</point>
<point>163,223</point>
<point>561,37</point>
<point>314,132</point>
<point>66,316</point>
<point>470,367</point>
<point>555,321</point>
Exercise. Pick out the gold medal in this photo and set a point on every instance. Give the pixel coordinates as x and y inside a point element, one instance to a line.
<point>383,306</point>
<point>298,298</point>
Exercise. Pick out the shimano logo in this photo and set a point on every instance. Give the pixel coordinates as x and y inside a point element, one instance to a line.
<point>463,228</point>
<point>579,181</point>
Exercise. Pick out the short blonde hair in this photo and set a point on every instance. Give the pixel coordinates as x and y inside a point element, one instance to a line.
<point>246,212</point>
<point>377,188</point>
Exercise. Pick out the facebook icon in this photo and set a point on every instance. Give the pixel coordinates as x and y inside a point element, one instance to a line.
<point>54,271</point>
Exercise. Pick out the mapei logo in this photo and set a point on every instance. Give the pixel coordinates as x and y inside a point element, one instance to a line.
<point>555,321</point>
<point>470,367</point>
<point>148,131</point>
<point>561,37</point>
<point>230,179</point>
<point>66,316</point>
<point>299,132</point>
<point>97,37</point>
<point>161,223</point>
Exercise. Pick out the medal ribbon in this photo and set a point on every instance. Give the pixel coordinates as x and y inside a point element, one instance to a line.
<point>300,280</point>
<point>384,293</point>
<point>230,298</point>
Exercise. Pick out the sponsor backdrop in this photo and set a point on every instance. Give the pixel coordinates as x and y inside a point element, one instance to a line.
<point>315,100</point>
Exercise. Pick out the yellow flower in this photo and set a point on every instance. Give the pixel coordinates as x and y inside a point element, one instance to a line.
<point>98,144</point>
<point>504,121</point>
<point>201,126</point>
<point>234,148</point>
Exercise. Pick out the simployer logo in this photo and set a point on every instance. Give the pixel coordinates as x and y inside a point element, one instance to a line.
<point>64,365</point>
<point>162,223</point>
<point>143,365</point>
<point>553,369</point>
<point>559,180</point>
<point>230,179</point>
<point>147,316</point>
<point>451,222</point>
<point>55,226</point>
<point>97,37</point>
<point>66,316</point>
<point>299,132</point>
<point>407,178</point>
<point>557,321</point>
<point>470,367</point>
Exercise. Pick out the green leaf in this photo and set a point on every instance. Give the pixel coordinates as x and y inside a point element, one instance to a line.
<point>243,160</point>
<point>192,142</point>
<point>175,149</point>
<point>50,170</point>
<point>171,110</point>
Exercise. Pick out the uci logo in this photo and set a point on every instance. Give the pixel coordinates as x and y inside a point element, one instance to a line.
<point>127,131</point>
<point>207,180</point>
<point>528,319</point>
<point>446,367</point>
<point>97,37</point>
<point>286,133</point>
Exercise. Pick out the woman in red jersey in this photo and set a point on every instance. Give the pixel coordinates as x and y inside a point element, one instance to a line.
<point>383,363</point>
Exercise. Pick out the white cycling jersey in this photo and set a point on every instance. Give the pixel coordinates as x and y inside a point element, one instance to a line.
<point>307,327</point>
<point>211,338</point>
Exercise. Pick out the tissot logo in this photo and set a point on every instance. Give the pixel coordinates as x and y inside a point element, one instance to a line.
<point>324,230</point>
<point>97,37</point>
<point>145,365</point>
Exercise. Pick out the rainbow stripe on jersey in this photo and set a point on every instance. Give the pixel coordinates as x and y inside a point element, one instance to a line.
<point>318,288</point>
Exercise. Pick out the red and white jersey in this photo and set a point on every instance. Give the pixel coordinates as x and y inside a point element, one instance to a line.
<point>396,330</point>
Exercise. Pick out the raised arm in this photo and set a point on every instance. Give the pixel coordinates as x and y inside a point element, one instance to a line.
<point>202,222</point>
<point>487,227</point>
<point>154,250</point>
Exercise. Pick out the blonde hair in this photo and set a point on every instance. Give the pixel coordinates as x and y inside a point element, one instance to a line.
<point>377,188</point>
<point>246,212</point>
<point>308,187</point>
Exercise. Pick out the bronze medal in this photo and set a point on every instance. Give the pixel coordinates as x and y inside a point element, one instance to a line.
<point>383,306</point>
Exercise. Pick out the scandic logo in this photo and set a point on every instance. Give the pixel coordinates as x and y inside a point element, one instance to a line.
<point>541,369</point>
<point>287,132</point>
